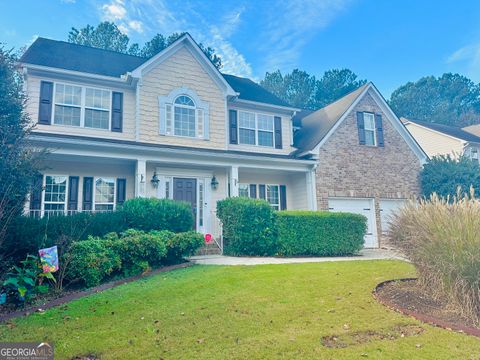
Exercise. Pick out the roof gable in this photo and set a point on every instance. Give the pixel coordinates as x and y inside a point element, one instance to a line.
<point>187,42</point>
<point>323,123</point>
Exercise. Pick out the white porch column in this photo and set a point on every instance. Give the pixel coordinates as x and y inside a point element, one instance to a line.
<point>140,178</point>
<point>234,181</point>
<point>311,190</point>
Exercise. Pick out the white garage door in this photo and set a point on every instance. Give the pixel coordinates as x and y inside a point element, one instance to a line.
<point>363,207</point>
<point>388,207</point>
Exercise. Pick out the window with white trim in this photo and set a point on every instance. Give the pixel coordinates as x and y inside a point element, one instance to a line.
<point>255,129</point>
<point>369,126</point>
<point>104,194</point>
<point>82,106</point>
<point>55,194</point>
<point>184,117</point>
<point>273,196</point>
<point>68,105</point>
<point>243,190</point>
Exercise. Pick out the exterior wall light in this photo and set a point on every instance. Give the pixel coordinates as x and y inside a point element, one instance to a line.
<point>155,180</point>
<point>214,183</point>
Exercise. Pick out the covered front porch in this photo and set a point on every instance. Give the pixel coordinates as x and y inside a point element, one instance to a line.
<point>78,179</point>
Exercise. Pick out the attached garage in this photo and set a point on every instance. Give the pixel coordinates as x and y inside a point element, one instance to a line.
<point>388,207</point>
<point>365,207</point>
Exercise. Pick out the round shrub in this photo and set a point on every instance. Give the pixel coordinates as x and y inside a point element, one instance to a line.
<point>182,245</point>
<point>158,214</point>
<point>90,262</point>
<point>248,226</point>
<point>319,233</point>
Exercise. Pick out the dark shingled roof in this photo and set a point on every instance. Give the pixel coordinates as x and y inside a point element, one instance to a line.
<point>68,56</point>
<point>448,130</point>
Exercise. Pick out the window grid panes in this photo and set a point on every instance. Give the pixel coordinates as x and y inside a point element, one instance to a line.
<point>97,108</point>
<point>55,194</point>
<point>184,117</point>
<point>247,128</point>
<point>104,194</point>
<point>243,190</point>
<point>369,126</point>
<point>273,196</point>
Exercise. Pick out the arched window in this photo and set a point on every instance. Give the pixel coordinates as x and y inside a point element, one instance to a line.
<point>184,116</point>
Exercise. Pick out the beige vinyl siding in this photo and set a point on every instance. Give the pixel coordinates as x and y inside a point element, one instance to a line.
<point>435,143</point>
<point>181,70</point>
<point>33,94</point>
<point>286,135</point>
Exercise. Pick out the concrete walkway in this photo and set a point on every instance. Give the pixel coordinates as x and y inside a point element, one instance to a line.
<point>365,254</point>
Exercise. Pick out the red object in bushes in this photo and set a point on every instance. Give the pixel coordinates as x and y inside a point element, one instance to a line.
<point>208,238</point>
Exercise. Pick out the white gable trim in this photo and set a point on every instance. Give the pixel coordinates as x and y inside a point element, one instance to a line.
<point>187,42</point>
<point>394,120</point>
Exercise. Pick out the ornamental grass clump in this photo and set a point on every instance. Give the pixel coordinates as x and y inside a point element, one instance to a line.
<point>441,237</point>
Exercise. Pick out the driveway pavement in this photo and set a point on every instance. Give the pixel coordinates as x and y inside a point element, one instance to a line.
<point>365,254</point>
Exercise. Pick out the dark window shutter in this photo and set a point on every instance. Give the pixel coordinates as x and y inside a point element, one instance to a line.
<point>361,128</point>
<point>261,191</point>
<point>121,191</point>
<point>283,197</point>
<point>117,111</point>
<point>73,192</point>
<point>278,132</point>
<point>36,193</point>
<point>87,193</point>
<point>233,126</point>
<point>45,103</point>
<point>253,191</point>
<point>379,129</point>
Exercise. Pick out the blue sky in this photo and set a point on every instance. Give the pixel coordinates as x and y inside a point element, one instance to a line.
<point>388,42</point>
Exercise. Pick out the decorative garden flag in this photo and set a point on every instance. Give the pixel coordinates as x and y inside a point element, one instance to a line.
<point>49,259</point>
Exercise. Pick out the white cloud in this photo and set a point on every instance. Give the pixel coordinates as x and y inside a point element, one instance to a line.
<point>136,25</point>
<point>116,11</point>
<point>291,24</point>
<point>469,57</point>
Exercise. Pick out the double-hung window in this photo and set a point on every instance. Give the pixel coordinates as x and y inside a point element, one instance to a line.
<point>243,190</point>
<point>82,106</point>
<point>55,194</point>
<point>68,105</point>
<point>247,128</point>
<point>273,196</point>
<point>255,129</point>
<point>104,194</point>
<point>369,125</point>
<point>97,108</point>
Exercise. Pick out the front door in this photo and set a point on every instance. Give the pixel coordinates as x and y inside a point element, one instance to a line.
<point>186,190</point>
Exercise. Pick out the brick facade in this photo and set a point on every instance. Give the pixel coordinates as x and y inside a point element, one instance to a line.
<point>347,169</point>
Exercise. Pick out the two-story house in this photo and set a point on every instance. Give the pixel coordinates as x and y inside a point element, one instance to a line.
<point>172,126</point>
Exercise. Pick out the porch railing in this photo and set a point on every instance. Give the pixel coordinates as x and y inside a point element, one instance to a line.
<point>217,231</point>
<point>50,213</point>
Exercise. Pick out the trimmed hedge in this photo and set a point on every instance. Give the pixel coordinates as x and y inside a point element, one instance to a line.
<point>158,214</point>
<point>95,260</point>
<point>248,226</point>
<point>319,233</point>
<point>251,227</point>
<point>26,235</point>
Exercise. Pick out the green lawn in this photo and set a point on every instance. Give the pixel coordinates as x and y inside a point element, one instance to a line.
<point>256,312</point>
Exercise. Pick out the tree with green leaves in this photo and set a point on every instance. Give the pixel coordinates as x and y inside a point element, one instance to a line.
<point>451,99</point>
<point>19,163</point>
<point>446,176</point>
<point>303,90</point>
<point>109,37</point>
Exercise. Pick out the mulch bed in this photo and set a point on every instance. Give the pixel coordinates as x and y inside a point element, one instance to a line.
<point>73,295</point>
<point>407,297</point>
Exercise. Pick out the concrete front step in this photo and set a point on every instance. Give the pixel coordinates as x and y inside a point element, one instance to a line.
<point>209,249</point>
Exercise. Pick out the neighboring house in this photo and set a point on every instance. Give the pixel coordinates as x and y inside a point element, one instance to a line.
<point>439,139</point>
<point>173,126</point>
